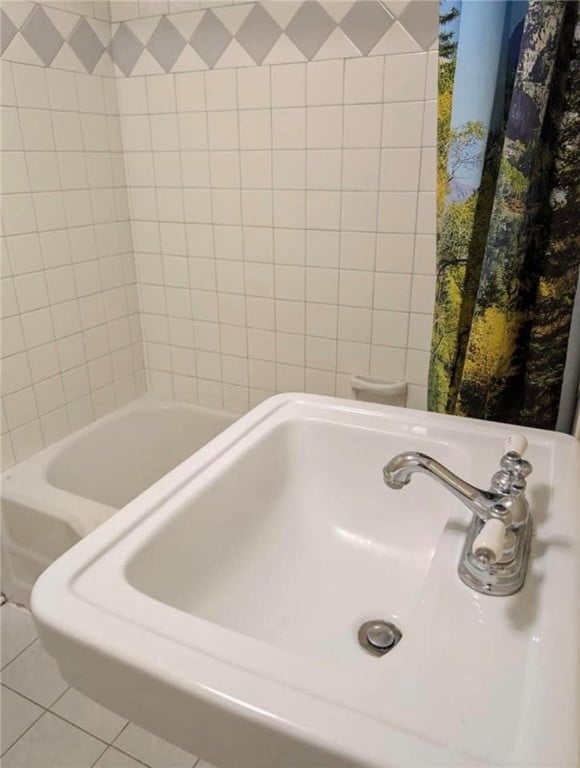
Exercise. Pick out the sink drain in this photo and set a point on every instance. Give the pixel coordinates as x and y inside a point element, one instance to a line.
<point>379,637</point>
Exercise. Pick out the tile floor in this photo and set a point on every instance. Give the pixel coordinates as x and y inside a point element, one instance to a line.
<point>47,724</point>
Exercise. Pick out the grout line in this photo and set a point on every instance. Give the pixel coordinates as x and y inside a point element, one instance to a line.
<point>43,712</point>
<point>212,226</point>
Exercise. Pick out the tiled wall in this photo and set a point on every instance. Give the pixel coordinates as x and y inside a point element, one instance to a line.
<point>71,340</point>
<point>283,213</point>
<point>280,167</point>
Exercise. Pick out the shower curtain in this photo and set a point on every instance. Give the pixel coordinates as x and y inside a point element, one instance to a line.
<point>508,205</point>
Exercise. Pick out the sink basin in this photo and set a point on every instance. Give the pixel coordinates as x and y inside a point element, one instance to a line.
<point>220,609</point>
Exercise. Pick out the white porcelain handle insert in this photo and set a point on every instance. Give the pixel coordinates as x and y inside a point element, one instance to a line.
<point>517,443</point>
<point>490,541</point>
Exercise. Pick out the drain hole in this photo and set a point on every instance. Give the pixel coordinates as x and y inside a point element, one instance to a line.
<point>378,637</point>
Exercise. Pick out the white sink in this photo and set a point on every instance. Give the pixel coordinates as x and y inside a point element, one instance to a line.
<point>220,609</point>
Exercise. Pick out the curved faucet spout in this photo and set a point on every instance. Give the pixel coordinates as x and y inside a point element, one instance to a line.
<point>398,471</point>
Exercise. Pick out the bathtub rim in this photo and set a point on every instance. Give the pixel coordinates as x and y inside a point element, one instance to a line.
<point>21,483</point>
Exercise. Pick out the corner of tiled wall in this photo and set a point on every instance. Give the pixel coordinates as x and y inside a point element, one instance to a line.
<point>276,162</point>
<point>71,337</point>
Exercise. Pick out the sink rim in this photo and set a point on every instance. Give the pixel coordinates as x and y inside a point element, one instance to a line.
<point>256,694</point>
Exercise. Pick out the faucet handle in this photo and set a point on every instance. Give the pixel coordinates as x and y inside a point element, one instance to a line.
<point>516,443</point>
<point>488,545</point>
<point>512,461</point>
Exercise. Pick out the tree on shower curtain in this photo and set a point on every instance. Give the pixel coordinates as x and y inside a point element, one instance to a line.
<point>508,247</point>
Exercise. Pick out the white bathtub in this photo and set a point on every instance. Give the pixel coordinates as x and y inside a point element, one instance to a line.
<point>59,495</point>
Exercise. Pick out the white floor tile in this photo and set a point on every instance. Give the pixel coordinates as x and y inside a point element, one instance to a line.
<point>52,742</point>
<point>18,714</point>
<point>115,759</point>
<point>87,714</point>
<point>151,750</point>
<point>35,675</point>
<point>17,630</point>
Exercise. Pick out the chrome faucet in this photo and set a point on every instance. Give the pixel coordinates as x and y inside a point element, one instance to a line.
<point>496,553</point>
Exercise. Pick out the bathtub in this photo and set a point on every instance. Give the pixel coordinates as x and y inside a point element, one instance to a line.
<point>61,494</point>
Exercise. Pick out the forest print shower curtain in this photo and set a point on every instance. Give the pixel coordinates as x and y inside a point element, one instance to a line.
<point>507,207</point>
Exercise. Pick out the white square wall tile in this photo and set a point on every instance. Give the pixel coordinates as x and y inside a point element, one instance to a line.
<point>322,248</point>
<point>395,252</point>
<point>360,169</point>
<point>400,170</point>
<point>289,169</point>
<point>353,357</point>
<point>289,128</point>
<point>356,288</point>
<point>30,86</point>
<point>363,80</point>
<point>322,320</point>
<point>405,76</point>
<point>323,168</point>
<point>402,124</point>
<point>388,362</point>
<point>253,87</point>
<point>221,89</point>
<point>256,169</point>
<point>322,209</point>
<point>324,82</point>
<point>390,329</point>
<point>190,91</point>
<point>289,282</point>
<point>322,285</point>
<point>288,85</point>
<point>362,125</point>
<point>359,211</point>
<point>324,127</point>
<point>289,246</point>
<point>397,212</point>
<point>256,128</point>
<point>392,292</point>
<point>354,324</point>
<point>321,353</point>
<point>357,250</point>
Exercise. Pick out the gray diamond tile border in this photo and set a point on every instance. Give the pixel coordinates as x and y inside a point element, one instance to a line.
<point>258,33</point>
<point>7,31</point>
<point>166,44</point>
<point>310,27</point>
<point>86,45</point>
<point>420,19</point>
<point>125,49</point>
<point>210,38</point>
<point>365,24</point>
<point>42,36</point>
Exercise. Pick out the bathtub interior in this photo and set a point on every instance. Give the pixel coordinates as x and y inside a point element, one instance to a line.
<point>118,460</point>
<point>87,477</point>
